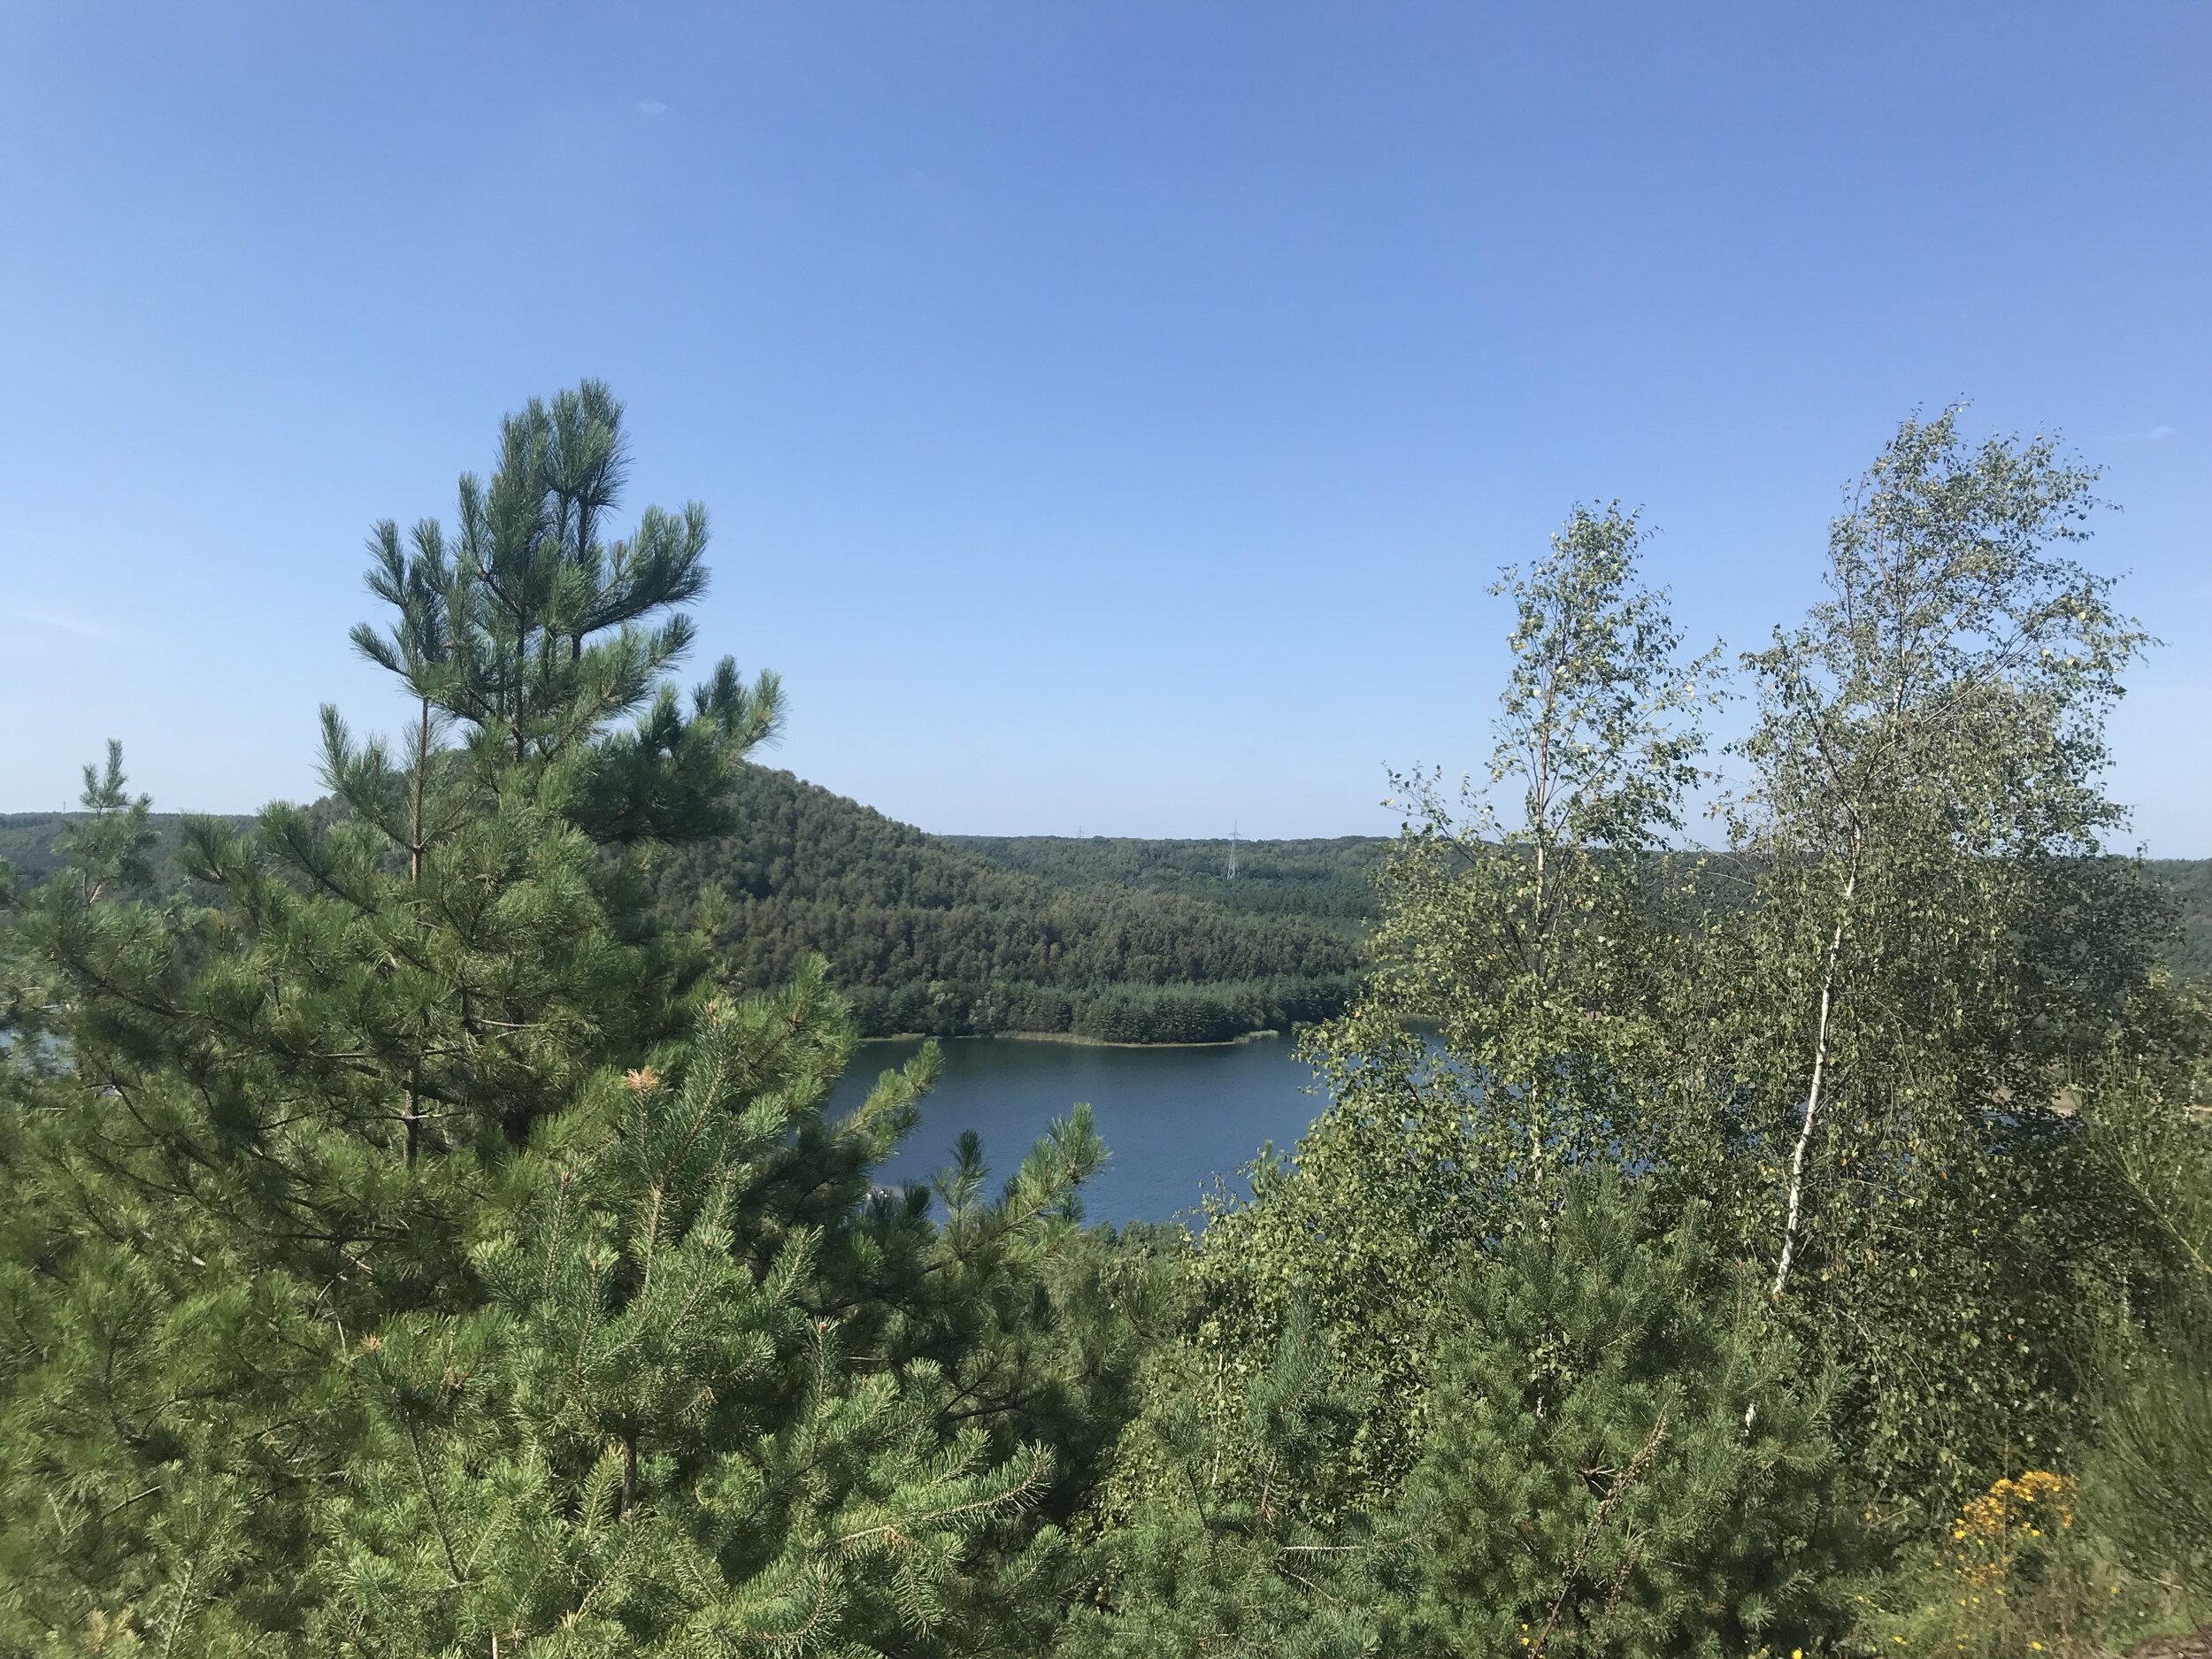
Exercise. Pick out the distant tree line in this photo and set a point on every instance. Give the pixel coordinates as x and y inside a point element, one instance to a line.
<point>1118,939</point>
<point>1329,880</point>
<point>1332,881</point>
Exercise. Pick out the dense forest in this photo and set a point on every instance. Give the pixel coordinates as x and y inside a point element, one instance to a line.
<point>1330,880</point>
<point>2190,955</point>
<point>923,935</point>
<point>419,1241</point>
<point>1116,938</point>
<point>34,845</point>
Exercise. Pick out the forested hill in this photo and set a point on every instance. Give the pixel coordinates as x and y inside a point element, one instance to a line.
<point>925,933</point>
<point>30,841</point>
<point>1330,881</point>
<point>2191,878</point>
<point>1116,938</point>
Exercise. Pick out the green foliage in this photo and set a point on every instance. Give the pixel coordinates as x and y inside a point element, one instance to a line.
<point>411,1248</point>
<point>1933,937</point>
<point>1534,931</point>
<point>2149,1486</point>
<point>1219,1557</point>
<point>106,850</point>
<point>420,976</point>
<point>923,944</point>
<point>2013,1573</point>
<point>1528,932</point>
<point>164,1414</point>
<point>657,1435</point>
<point>927,936</point>
<point>923,935</point>
<point>268,1119</point>
<point>1331,880</point>
<point>1873,1040</point>
<point>2150,1479</point>
<point>366,1290</point>
<point>1206,1013</point>
<point>1624,1453</point>
<point>34,844</point>
<point>2190,880</point>
<point>1363,1226</point>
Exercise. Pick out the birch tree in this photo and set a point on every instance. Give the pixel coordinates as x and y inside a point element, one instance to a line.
<point>1529,921</point>
<point>1937,924</point>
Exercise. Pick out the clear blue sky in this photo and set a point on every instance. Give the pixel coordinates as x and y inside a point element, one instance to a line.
<point>1111,413</point>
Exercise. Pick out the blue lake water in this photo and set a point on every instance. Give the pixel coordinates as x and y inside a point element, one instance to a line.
<point>1172,1119</point>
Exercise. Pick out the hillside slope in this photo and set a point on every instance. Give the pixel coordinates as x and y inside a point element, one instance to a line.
<point>2191,879</point>
<point>29,842</point>
<point>925,934</point>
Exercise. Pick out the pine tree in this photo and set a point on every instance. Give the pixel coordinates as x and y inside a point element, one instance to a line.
<point>431,960</point>
<point>2147,1484</point>
<point>653,1438</point>
<point>274,1115</point>
<point>350,1297</point>
<point>1220,1553</point>
<point>1625,1454</point>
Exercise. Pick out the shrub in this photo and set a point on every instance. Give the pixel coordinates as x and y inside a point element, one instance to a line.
<point>1626,1457</point>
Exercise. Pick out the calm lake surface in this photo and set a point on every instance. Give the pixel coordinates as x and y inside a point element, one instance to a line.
<point>1172,1119</point>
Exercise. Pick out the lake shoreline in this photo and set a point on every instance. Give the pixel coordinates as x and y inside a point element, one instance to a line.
<point>1073,1039</point>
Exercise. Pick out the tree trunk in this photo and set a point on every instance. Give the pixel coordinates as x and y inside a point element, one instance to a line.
<point>410,1111</point>
<point>1820,1070</point>
<point>414,827</point>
